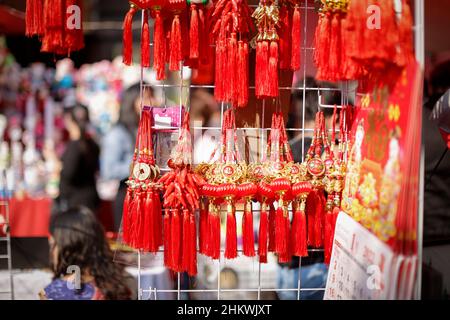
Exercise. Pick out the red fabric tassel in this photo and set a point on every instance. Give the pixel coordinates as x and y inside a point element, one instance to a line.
<point>296,35</point>
<point>319,215</point>
<point>175,236</point>
<point>128,36</point>
<point>186,242</point>
<point>272,71</point>
<point>298,232</point>
<point>247,231</point>
<point>34,18</point>
<point>220,52</point>
<point>242,74</point>
<point>335,59</point>
<point>148,228</point>
<point>203,228</point>
<point>263,234</point>
<point>140,221</point>
<point>204,37</point>
<point>285,38</point>
<point>145,42</point>
<point>310,217</point>
<point>175,45</point>
<point>194,33</point>
<point>282,231</point>
<point>232,69</point>
<point>157,219</point>
<point>231,235</point>
<point>261,69</point>
<point>330,225</point>
<point>214,233</point>
<point>192,269</point>
<point>159,49</point>
<point>272,232</point>
<point>167,241</point>
<point>322,44</point>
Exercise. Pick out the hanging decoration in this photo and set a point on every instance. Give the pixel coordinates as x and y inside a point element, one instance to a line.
<point>290,35</point>
<point>223,179</point>
<point>142,219</point>
<point>58,24</point>
<point>230,26</point>
<point>267,19</point>
<point>181,198</point>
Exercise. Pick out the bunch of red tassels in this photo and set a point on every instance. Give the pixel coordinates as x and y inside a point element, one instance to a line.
<point>142,219</point>
<point>181,199</point>
<point>179,34</point>
<point>231,24</point>
<point>352,45</point>
<point>58,23</point>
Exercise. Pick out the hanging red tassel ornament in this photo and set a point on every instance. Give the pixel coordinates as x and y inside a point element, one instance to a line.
<point>266,232</point>
<point>167,239</point>
<point>142,216</point>
<point>203,227</point>
<point>128,34</point>
<point>34,18</point>
<point>266,17</point>
<point>229,21</point>
<point>178,9</point>
<point>231,235</point>
<point>182,194</point>
<point>159,48</point>
<point>246,191</point>
<point>300,191</point>
<point>145,42</point>
<point>194,33</point>
<point>285,36</point>
<point>296,39</point>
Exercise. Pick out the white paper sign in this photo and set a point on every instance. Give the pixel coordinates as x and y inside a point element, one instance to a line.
<point>361,264</point>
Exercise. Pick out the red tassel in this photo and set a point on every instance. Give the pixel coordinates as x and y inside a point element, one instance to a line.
<point>261,69</point>
<point>272,233</point>
<point>231,236</point>
<point>319,219</point>
<point>242,74</point>
<point>263,233</point>
<point>175,236</point>
<point>296,35</point>
<point>203,231</point>
<point>145,42</point>
<point>186,241</point>
<point>231,70</point>
<point>310,214</point>
<point>159,49</point>
<point>218,91</point>
<point>298,231</point>
<point>322,45</point>
<point>330,224</point>
<point>194,33</point>
<point>128,36</point>
<point>214,232</point>
<point>34,18</point>
<point>203,34</point>
<point>272,71</point>
<point>282,230</point>
<point>175,45</point>
<point>285,38</point>
<point>148,223</point>
<point>192,269</point>
<point>335,58</point>
<point>140,221</point>
<point>247,230</point>
<point>167,241</point>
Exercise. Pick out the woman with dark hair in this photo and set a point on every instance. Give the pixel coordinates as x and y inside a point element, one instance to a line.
<point>80,162</point>
<point>82,261</point>
<point>118,144</point>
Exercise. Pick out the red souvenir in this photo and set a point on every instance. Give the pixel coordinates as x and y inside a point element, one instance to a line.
<point>142,209</point>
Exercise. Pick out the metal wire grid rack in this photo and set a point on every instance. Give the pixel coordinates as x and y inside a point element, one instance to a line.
<point>347,92</point>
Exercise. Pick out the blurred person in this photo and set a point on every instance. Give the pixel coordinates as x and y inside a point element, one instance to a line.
<point>436,226</point>
<point>80,162</point>
<point>77,239</point>
<point>118,144</point>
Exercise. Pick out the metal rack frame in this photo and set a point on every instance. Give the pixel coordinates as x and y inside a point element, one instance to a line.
<point>345,94</point>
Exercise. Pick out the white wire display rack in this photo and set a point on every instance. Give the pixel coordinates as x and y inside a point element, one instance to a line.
<point>347,93</point>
